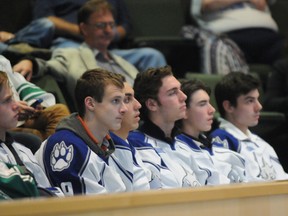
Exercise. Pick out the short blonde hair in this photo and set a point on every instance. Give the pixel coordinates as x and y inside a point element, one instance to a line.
<point>3,79</point>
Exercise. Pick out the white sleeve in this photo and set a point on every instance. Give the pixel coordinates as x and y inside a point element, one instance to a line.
<point>24,90</point>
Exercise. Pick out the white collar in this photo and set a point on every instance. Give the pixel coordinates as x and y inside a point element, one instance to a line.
<point>236,132</point>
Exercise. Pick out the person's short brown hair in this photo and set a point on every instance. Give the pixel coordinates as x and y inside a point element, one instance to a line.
<point>91,7</point>
<point>147,85</point>
<point>3,80</point>
<point>92,83</point>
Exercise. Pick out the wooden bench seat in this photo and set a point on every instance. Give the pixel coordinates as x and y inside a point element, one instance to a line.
<point>269,198</point>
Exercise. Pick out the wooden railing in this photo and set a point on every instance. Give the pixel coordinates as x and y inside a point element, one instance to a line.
<point>269,198</point>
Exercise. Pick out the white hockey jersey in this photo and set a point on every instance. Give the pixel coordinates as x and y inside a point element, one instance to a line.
<point>27,157</point>
<point>261,161</point>
<point>75,163</point>
<point>124,160</point>
<point>155,158</point>
<point>214,165</point>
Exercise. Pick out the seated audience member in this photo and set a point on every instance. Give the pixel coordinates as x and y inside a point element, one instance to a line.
<point>15,183</point>
<point>125,157</point>
<point>162,103</point>
<point>220,165</point>
<point>248,23</point>
<point>76,156</point>
<point>142,58</point>
<point>237,99</point>
<point>67,65</point>
<point>11,152</point>
<point>40,120</point>
<point>55,26</point>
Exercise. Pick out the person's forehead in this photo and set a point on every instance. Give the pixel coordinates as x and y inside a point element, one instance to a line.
<point>252,94</point>
<point>5,86</point>
<point>5,92</point>
<point>112,89</point>
<point>128,89</point>
<point>199,95</point>
<point>2,93</point>
<point>98,15</point>
<point>169,82</point>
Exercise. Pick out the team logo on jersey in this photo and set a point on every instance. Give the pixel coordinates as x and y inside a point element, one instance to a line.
<point>61,156</point>
<point>235,177</point>
<point>223,142</point>
<point>155,182</point>
<point>267,171</point>
<point>189,180</point>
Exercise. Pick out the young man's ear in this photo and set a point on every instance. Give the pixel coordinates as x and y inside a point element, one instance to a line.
<point>227,106</point>
<point>151,104</point>
<point>89,103</point>
<point>82,28</point>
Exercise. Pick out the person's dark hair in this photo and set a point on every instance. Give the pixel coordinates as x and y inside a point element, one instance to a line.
<point>232,86</point>
<point>91,7</point>
<point>147,85</point>
<point>188,87</point>
<point>93,83</point>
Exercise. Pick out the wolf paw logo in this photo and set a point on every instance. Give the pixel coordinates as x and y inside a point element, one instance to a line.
<point>267,171</point>
<point>190,180</point>
<point>61,156</point>
<point>235,177</point>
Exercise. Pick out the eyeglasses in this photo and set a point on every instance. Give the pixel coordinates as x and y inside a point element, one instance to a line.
<point>103,25</point>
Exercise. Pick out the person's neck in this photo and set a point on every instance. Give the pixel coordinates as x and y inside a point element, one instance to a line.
<point>122,134</point>
<point>190,131</point>
<point>98,132</point>
<point>3,135</point>
<point>103,50</point>
<point>105,54</point>
<point>166,127</point>
<point>244,129</point>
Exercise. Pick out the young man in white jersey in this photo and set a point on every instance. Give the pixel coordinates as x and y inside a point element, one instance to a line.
<point>16,159</point>
<point>237,97</point>
<point>163,103</point>
<point>126,158</point>
<point>218,165</point>
<point>76,156</point>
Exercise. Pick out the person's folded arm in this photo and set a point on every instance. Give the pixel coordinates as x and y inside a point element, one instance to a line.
<point>64,27</point>
<point>214,5</point>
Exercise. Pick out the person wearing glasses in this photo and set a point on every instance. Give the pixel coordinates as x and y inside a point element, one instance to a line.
<point>96,22</point>
<point>55,26</point>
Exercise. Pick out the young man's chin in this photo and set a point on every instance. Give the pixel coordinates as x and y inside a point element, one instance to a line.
<point>11,126</point>
<point>116,127</point>
<point>254,124</point>
<point>134,126</point>
<point>180,117</point>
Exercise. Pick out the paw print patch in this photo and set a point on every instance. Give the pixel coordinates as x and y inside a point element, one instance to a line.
<point>61,156</point>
